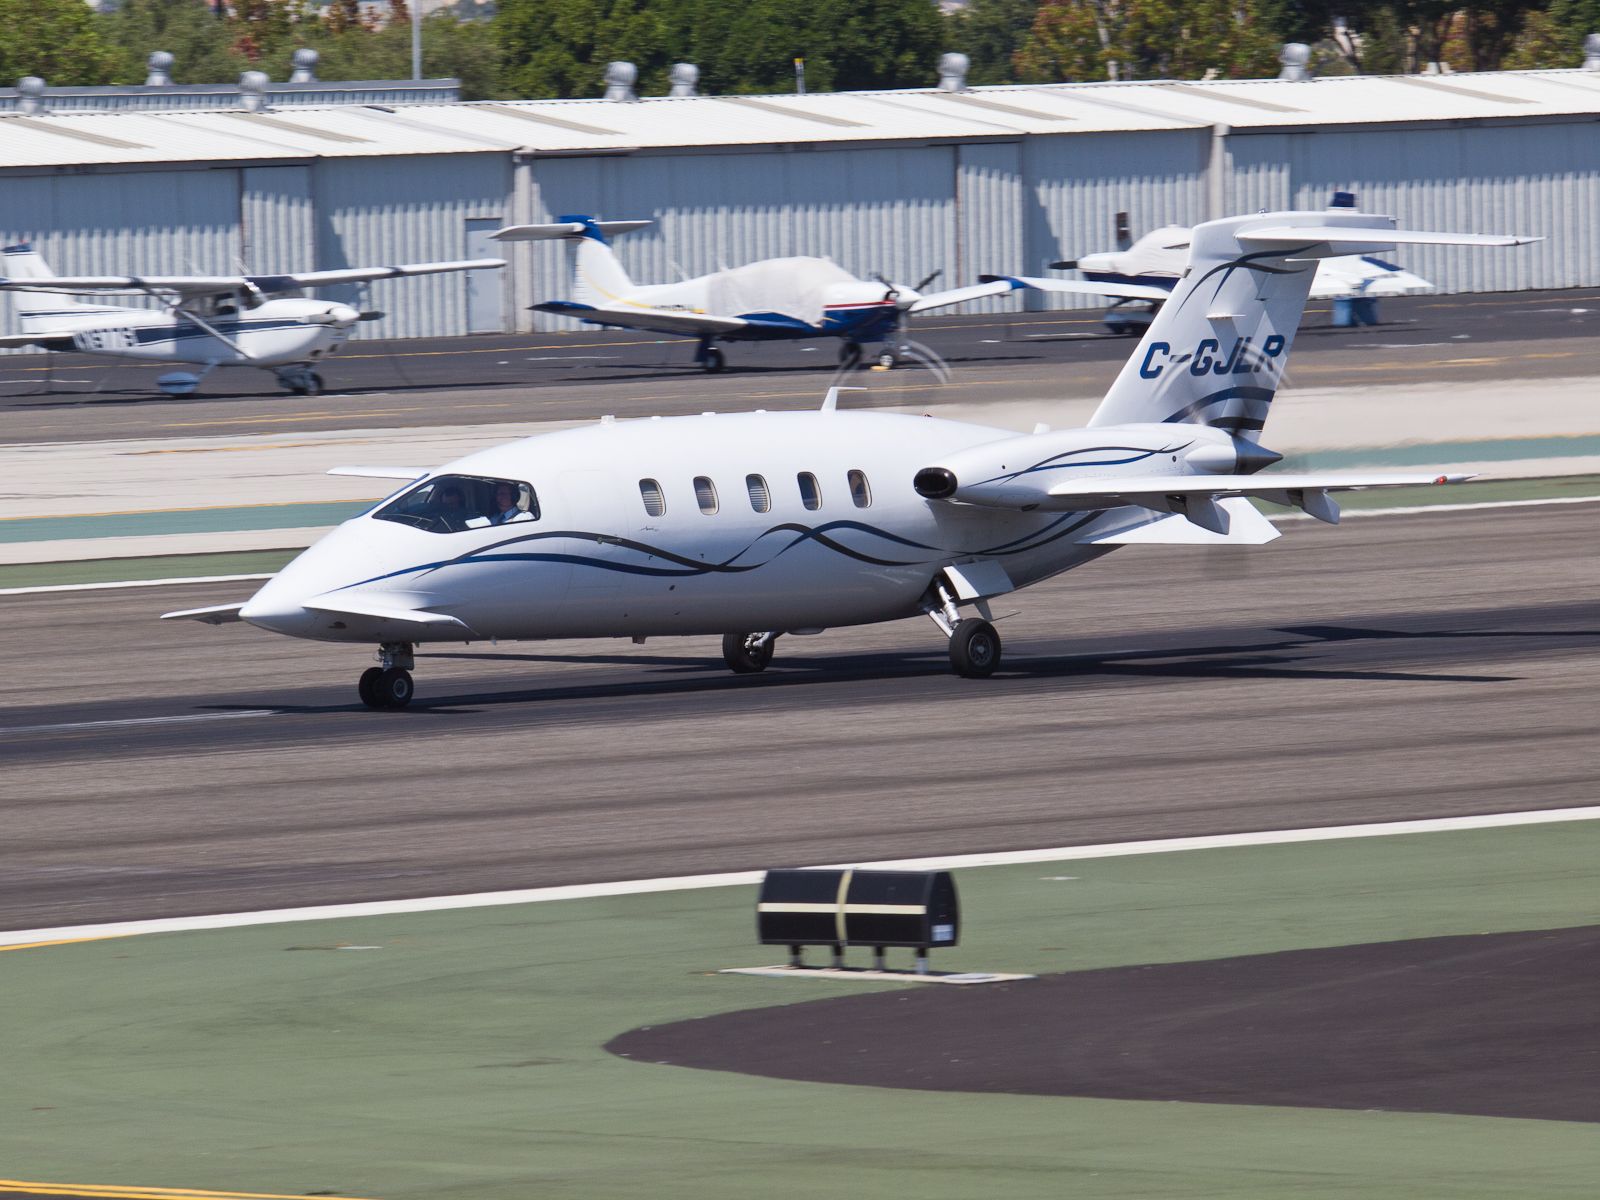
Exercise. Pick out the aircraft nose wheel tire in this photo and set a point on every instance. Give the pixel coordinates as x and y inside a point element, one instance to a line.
<point>382,688</point>
<point>743,658</point>
<point>887,360</point>
<point>974,649</point>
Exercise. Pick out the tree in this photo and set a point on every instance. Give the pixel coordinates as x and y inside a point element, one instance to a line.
<point>1144,39</point>
<point>58,40</point>
<point>200,43</point>
<point>989,33</point>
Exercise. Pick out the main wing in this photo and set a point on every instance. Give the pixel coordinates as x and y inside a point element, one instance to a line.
<point>211,285</point>
<point>1081,287</point>
<point>653,320</point>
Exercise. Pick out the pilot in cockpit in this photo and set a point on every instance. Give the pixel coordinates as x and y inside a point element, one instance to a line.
<point>452,510</point>
<point>506,507</point>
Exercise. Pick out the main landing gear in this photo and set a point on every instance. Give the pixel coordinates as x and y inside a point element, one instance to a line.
<point>850,354</point>
<point>747,653</point>
<point>300,379</point>
<point>389,685</point>
<point>974,641</point>
<point>709,357</point>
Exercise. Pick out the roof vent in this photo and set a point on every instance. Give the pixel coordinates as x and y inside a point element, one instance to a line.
<point>1296,58</point>
<point>30,95</point>
<point>685,78</point>
<point>1591,52</point>
<point>953,72</point>
<point>305,65</point>
<point>620,78</point>
<point>159,65</point>
<point>253,90</point>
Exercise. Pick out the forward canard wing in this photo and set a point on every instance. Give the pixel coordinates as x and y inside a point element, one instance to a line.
<point>382,472</point>
<point>217,614</point>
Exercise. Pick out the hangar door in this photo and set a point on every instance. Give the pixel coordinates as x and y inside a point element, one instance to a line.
<point>276,219</point>
<point>485,289</point>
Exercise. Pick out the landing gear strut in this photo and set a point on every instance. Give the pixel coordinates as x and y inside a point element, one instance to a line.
<point>747,653</point>
<point>974,641</point>
<point>300,379</point>
<point>850,354</point>
<point>389,684</point>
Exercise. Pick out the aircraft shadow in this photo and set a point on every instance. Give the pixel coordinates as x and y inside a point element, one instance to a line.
<point>1294,658</point>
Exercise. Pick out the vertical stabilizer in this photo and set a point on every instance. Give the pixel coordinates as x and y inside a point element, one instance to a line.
<point>597,278</point>
<point>39,309</point>
<point>1216,352</point>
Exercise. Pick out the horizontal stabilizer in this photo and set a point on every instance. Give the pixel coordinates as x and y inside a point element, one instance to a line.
<point>1343,235</point>
<point>217,614</point>
<point>1246,527</point>
<point>564,229</point>
<point>1079,287</point>
<point>382,472</point>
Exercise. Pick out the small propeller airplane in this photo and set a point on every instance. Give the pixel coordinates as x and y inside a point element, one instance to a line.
<point>1157,260</point>
<point>756,525</point>
<point>210,320</point>
<point>776,299</point>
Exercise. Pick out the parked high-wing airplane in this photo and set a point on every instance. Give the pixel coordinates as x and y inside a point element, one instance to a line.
<point>755,525</point>
<point>774,299</point>
<point>1158,258</point>
<point>209,320</point>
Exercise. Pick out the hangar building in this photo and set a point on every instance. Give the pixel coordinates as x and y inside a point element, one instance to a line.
<point>901,183</point>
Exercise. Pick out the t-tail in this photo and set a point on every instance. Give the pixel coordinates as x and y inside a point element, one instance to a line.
<point>1216,352</point>
<point>598,279</point>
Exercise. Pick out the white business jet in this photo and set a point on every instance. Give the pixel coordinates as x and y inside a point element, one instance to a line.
<point>776,299</point>
<point>756,525</point>
<point>1157,260</point>
<point>209,320</point>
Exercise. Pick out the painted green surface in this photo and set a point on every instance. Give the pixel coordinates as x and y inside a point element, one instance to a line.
<point>460,1055</point>
<point>181,520</point>
<point>1428,454</point>
<point>167,566</point>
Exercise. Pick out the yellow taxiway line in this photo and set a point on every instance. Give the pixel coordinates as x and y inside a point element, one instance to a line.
<point>110,1191</point>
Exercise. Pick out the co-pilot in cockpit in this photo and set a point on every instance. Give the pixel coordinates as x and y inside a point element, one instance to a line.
<point>453,503</point>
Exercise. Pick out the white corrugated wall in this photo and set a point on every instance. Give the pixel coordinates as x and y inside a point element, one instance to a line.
<point>991,236</point>
<point>1077,183</point>
<point>277,219</point>
<point>385,211</point>
<point>151,222</point>
<point>887,210</point>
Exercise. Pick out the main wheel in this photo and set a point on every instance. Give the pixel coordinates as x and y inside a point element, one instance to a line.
<point>313,384</point>
<point>393,688</point>
<point>886,360</point>
<point>974,649</point>
<point>850,354</point>
<point>713,360</point>
<point>741,657</point>
<point>368,685</point>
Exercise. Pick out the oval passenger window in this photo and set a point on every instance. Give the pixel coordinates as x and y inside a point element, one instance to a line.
<point>810,493</point>
<point>705,494</point>
<point>760,497</point>
<point>654,502</point>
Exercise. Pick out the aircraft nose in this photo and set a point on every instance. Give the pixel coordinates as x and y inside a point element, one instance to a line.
<point>273,609</point>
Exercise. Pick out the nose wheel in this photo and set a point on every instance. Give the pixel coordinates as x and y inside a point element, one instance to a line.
<point>300,379</point>
<point>974,649</point>
<point>389,685</point>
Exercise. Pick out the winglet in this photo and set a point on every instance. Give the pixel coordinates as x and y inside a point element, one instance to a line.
<point>830,402</point>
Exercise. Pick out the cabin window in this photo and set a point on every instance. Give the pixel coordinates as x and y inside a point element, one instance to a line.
<point>860,489</point>
<point>760,497</point>
<point>453,503</point>
<point>655,503</point>
<point>705,495</point>
<point>810,492</point>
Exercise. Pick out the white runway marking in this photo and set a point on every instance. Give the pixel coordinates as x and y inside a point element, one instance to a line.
<point>636,887</point>
<point>131,583</point>
<point>69,726</point>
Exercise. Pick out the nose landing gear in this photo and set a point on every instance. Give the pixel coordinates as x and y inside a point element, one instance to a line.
<point>747,653</point>
<point>389,685</point>
<point>300,379</point>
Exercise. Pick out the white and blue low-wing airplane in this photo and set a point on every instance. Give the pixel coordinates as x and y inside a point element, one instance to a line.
<point>207,320</point>
<point>756,525</point>
<point>776,299</point>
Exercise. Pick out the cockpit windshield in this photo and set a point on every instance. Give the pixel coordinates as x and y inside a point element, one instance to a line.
<point>452,503</point>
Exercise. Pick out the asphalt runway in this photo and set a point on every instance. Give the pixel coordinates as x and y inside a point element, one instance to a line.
<point>1026,356</point>
<point>1392,668</point>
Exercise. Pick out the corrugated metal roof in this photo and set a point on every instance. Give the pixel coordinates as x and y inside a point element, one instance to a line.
<point>579,126</point>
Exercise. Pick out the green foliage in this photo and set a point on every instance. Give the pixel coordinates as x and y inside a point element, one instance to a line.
<point>58,40</point>
<point>200,43</point>
<point>990,32</point>
<point>561,47</point>
<point>1148,39</point>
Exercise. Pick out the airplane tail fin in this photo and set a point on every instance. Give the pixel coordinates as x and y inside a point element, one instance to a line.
<point>1215,354</point>
<point>598,278</point>
<point>22,263</point>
